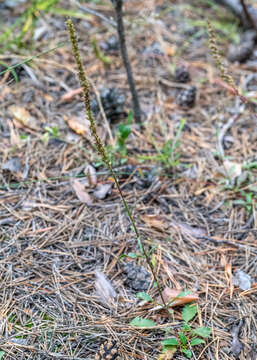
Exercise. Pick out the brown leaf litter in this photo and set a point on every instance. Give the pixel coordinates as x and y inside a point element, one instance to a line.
<point>54,235</point>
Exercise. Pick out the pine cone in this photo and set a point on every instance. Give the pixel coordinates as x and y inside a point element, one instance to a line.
<point>240,53</point>
<point>137,277</point>
<point>186,97</point>
<point>108,351</point>
<point>111,44</point>
<point>182,74</point>
<point>113,102</point>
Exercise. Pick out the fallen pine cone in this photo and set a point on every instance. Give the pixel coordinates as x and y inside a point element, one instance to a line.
<point>182,74</point>
<point>186,97</point>
<point>108,351</point>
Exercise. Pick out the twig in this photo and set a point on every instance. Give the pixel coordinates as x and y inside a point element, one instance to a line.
<point>248,15</point>
<point>124,53</point>
<point>239,11</point>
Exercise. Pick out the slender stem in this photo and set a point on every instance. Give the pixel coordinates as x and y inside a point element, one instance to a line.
<point>248,15</point>
<point>125,58</point>
<point>102,151</point>
<point>148,260</point>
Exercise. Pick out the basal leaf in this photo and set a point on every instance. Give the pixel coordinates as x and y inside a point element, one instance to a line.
<point>202,331</point>
<point>170,342</point>
<point>141,322</point>
<point>189,312</point>
<point>182,338</point>
<point>188,353</point>
<point>144,296</point>
<point>197,341</point>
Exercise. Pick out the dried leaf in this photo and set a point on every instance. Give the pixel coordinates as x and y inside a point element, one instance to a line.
<point>232,169</point>
<point>79,125</point>
<point>104,288</point>
<point>155,221</point>
<point>102,190</point>
<point>189,230</point>
<point>168,355</point>
<point>169,49</point>
<point>68,96</point>
<point>236,344</point>
<point>242,280</point>
<point>22,116</point>
<point>13,165</point>
<point>169,294</point>
<point>82,195</point>
<point>5,89</point>
<point>15,138</point>
<point>90,172</point>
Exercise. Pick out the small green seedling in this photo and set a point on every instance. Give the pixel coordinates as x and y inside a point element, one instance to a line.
<point>248,200</point>
<point>241,188</point>
<point>140,255</point>
<point>124,131</point>
<point>120,148</point>
<point>51,133</point>
<point>187,337</point>
<point>168,155</point>
<point>99,54</point>
<point>12,71</point>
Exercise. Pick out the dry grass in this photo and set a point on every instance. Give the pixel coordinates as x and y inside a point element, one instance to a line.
<point>51,244</point>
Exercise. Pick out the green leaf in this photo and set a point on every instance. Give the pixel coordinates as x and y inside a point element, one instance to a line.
<point>70,13</point>
<point>99,54</point>
<point>12,71</point>
<point>252,165</point>
<point>249,197</point>
<point>183,293</point>
<point>132,255</point>
<point>23,137</point>
<point>170,342</point>
<point>197,341</point>
<point>239,202</point>
<point>175,143</point>
<point>154,261</point>
<point>182,338</point>
<point>186,327</point>
<point>189,312</point>
<point>188,353</point>
<point>141,322</point>
<point>144,296</point>
<point>202,331</point>
<point>140,245</point>
<point>130,116</point>
<point>253,188</point>
<point>124,130</point>
<point>45,5</point>
<point>2,353</point>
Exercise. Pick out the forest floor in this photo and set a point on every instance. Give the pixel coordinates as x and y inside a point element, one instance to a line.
<point>192,195</point>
